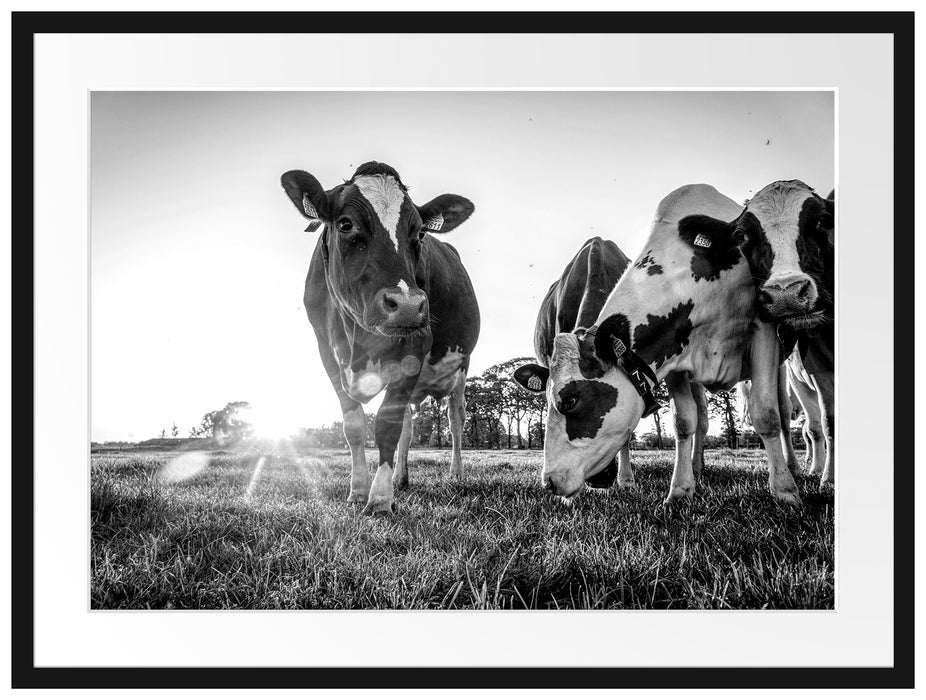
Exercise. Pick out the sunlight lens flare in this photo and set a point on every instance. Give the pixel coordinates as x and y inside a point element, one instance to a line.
<point>255,475</point>
<point>183,468</point>
<point>267,423</point>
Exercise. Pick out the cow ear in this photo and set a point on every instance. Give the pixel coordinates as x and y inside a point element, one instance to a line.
<point>612,339</point>
<point>827,221</point>
<point>708,234</point>
<point>445,213</point>
<point>532,377</point>
<point>307,194</point>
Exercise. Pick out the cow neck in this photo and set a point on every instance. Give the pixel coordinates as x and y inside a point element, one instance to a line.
<point>358,346</point>
<point>641,376</point>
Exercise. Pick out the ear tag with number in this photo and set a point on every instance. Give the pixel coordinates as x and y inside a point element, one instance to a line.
<point>310,211</point>
<point>702,240</point>
<point>534,383</point>
<point>619,347</point>
<point>435,223</point>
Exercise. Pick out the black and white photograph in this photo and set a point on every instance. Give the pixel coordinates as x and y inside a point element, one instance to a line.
<point>462,349</point>
<point>435,349</point>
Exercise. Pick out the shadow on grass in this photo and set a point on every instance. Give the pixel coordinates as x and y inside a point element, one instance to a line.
<point>282,536</point>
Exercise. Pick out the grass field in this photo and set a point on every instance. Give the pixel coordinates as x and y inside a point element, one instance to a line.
<point>286,538</point>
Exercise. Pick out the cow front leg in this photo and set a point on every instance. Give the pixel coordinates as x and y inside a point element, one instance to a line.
<point>763,409</point>
<point>400,477</point>
<point>817,443</point>
<point>355,432</point>
<point>826,397</point>
<point>808,447</point>
<point>685,412</point>
<point>625,478</point>
<point>784,415</point>
<point>813,427</point>
<point>456,416</point>
<point>389,422</point>
<point>700,435</point>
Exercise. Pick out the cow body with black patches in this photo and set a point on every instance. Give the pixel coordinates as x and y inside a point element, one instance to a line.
<point>572,305</point>
<point>393,310</point>
<point>695,322</point>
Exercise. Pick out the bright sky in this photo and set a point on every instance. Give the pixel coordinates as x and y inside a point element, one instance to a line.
<point>199,259</point>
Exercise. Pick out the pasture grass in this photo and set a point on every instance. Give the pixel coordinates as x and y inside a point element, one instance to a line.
<point>287,538</point>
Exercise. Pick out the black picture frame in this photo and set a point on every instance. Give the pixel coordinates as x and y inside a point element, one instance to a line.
<point>25,25</point>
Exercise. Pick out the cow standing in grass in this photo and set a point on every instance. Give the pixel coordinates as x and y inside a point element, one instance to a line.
<point>787,232</point>
<point>695,320</point>
<point>393,310</point>
<point>574,302</point>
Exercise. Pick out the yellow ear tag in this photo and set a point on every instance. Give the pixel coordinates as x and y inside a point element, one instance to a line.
<point>702,240</point>
<point>534,383</point>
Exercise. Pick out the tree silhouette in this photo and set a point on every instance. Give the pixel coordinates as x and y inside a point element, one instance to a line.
<point>722,404</point>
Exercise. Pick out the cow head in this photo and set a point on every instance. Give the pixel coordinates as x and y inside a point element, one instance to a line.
<point>593,405</point>
<point>786,232</point>
<point>372,239</point>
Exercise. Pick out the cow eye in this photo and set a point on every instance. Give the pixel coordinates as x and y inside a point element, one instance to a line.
<point>568,404</point>
<point>345,225</point>
<point>740,237</point>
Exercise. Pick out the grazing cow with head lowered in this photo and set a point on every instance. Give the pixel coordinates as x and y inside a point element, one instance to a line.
<point>392,308</point>
<point>572,303</point>
<point>696,320</point>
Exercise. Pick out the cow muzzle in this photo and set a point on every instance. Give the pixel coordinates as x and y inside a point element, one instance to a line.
<point>560,484</point>
<point>788,295</point>
<point>402,310</point>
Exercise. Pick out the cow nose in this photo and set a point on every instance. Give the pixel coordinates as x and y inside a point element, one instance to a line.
<point>803,289</point>
<point>405,308</point>
<point>788,294</point>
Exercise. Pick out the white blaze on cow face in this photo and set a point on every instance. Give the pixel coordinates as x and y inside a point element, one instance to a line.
<point>589,418</point>
<point>403,286</point>
<point>777,207</point>
<point>385,195</point>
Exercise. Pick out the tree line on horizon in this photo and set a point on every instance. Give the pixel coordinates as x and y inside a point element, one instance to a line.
<point>500,415</point>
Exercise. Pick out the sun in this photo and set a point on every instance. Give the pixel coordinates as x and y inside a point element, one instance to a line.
<point>268,423</point>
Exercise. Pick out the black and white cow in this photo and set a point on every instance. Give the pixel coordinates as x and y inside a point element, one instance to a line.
<point>787,232</point>
<point>694,320</point>
<point>392,308</point>
<point>573,302</point>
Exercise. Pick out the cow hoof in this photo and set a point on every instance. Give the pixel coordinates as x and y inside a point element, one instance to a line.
<point>400,484</point>
<point>379,509</point>
<point>788,498</point>
<point>456,474</point>
<point>627,484</point>
<point>679,494</point>
<point>358,496</point>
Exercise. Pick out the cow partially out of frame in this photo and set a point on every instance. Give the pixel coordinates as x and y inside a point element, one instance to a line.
<point>694,321</point>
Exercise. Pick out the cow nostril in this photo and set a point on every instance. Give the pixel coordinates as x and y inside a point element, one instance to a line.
<point>804,290</point>
<point>421,308</point>
<point>389,304</point>
<point>764,297</point>
<point>548,484</point>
